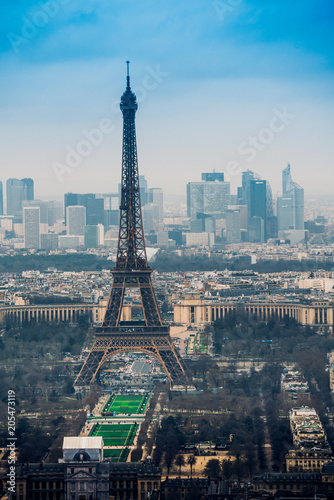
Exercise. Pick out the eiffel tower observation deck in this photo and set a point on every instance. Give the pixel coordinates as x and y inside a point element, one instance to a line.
<point>150,335</point>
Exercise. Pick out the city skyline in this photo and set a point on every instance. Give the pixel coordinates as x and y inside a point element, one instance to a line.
<point>226,88</point>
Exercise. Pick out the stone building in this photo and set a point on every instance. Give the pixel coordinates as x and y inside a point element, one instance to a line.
<point>82,474</point>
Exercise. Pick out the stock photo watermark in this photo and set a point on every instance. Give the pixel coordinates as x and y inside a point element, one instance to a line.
<point>31,24</point>
<point>11,442</point>
<point>225,7</point>
<point>255,144</point>
<point>92,139</point>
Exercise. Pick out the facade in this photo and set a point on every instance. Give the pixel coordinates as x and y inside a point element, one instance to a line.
<point>49,241</point>
<point>289,483</point>
<point>58,313</point>
<point>43,208</point>
<point>244,190</point>
<point>18,190</point>
<point>55,211</point>
<point>290,206</point>
<point>93,236</point>
<point>307,460</point>
<point>82,474</point>
<point>213,176</point>
<point>306,428</point>
<point>76,220</point>
<point>94,206</point>
<point>31,227</point>
<point>143,190</point>
<point>197,310</point>
<point>70,242</point>
<point>233,226</point>
<point>200,239</point>
<point>150,214</point>
<point>208,197</point>
<point>155,196</point>
<point>260,203</point>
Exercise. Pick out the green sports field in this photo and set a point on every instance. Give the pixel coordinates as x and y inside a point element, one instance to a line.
<point>115,434</point>
<point>116,455</point>
<point>126,403</point>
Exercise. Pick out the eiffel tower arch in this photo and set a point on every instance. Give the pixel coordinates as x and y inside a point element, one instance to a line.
<point>150,335</point>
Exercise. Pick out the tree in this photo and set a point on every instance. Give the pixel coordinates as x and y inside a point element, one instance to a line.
<point>179,461</point>
<point>169,458</point>
<point>227,469</point>
<point>212,468</point>
<point>191,461</point>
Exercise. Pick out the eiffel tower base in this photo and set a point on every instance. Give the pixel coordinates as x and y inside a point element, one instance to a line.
<point>157,344</point>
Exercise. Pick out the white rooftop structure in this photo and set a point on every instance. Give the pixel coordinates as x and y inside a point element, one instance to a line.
<point>83,448</point>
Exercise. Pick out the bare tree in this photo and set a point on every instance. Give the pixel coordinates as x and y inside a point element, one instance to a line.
<point>179,461</point>
<point>191,461</point>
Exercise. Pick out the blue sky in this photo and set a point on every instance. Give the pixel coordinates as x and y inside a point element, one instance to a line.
<point>209,75</point>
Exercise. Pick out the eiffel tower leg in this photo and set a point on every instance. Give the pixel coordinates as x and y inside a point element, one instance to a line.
<point>97,356</point>
<point>149,302</point>
<point>113,311</point>
<point>170,361</point>
<point>161,349</point>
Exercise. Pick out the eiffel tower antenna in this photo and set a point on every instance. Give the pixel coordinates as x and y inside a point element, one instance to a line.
<point>115,335</point>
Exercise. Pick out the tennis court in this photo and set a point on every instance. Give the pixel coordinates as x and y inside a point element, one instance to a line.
<point>116,455</point>
<point>115,434</point>
<point>125,404</point>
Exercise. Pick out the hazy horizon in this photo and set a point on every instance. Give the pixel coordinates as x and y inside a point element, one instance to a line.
<point>225,85</point>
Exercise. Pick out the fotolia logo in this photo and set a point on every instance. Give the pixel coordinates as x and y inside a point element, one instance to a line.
<point>32,24</point>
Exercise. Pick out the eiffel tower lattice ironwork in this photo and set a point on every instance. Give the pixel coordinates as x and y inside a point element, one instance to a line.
<point>115,336</point>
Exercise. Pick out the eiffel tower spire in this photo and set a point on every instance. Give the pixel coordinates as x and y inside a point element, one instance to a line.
<point>131,271</point>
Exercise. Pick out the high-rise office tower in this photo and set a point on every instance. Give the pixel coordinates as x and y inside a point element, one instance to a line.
<point>207,197</point>
<point>1,199</point>
<point>143,190</point>
<point>93,236</point>
<point>258,196</point>
<point>55,211</point>
<point>18,190</point>
<point>244,191</point>
<point>150,214</point>
<point>43,207</point>
<point>213,176</point>
<point>31,227</point>
<point>76,220</point>
<point>233,225</point>
<point>94,206</point>
<point>155,196</point>
<point>290,206</point>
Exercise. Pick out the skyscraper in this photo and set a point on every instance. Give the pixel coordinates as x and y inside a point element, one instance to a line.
<point>290,206</point>
<point>155,196</point>
<point>31,227</point>
<point>233,225</point>
<point>213,176</point>
<point>17,191</point>
<point>93,236</point>
<point>207,197</point>
<point>257,195</point>
<point>143,190</point>
<point>94,206</point>
<point>1,199</point>
<point>43,207</point>
<point>76,220</point>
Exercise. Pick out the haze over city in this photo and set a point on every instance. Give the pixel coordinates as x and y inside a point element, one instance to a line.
<point>210,77</point>
<point>167,250</point>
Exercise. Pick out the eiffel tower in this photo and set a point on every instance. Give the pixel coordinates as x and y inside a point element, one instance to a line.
<point>149,336</point>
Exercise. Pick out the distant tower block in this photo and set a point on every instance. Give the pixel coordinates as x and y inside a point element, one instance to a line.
<point>115,336</point>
